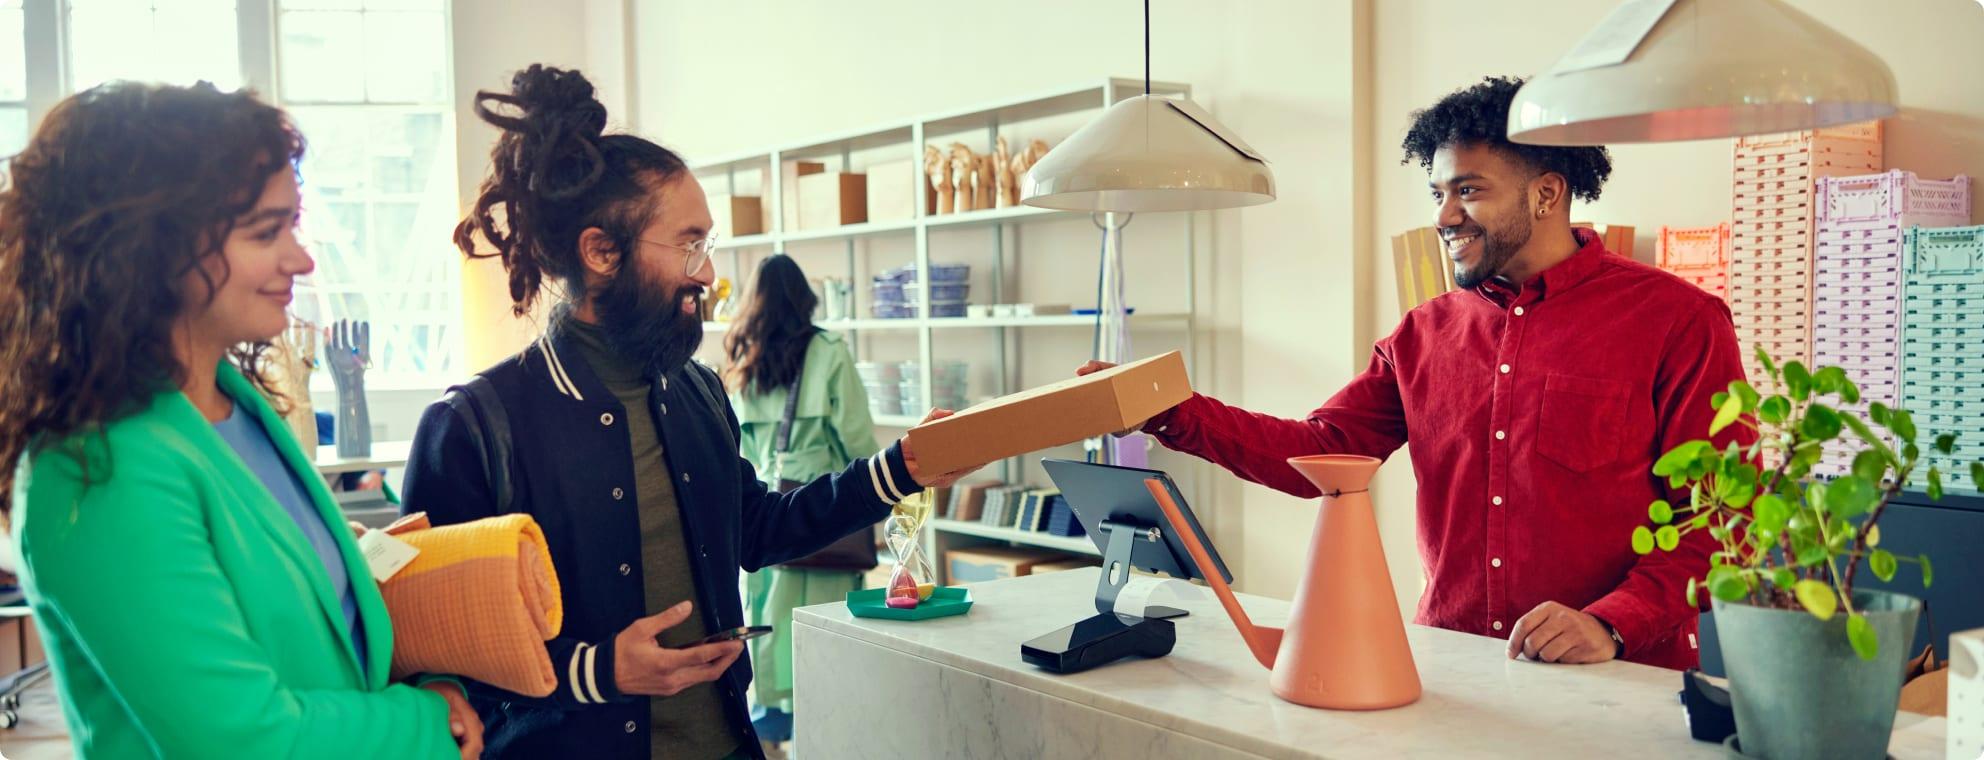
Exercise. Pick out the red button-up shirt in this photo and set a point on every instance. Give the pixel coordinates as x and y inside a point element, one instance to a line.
<point>1534,415</point>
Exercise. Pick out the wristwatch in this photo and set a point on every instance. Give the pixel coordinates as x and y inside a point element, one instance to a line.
<point>1621,651</point>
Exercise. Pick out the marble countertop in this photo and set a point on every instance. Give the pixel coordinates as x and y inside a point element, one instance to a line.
<point>1476,701</point>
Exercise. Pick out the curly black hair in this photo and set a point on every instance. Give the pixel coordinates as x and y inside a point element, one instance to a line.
<point>1479,115</point>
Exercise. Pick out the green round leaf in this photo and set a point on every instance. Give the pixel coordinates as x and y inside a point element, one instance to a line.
<point>1878,412</point>
<point>1946,443</point>
<point>1747,393</point>
<point>1774,410</point>
<point>1692,584</point>
<point>1935,484</point>
<point>1770,512</point>
<point>1977,474</point>
<point>1700,521</point>
<point>1903,424</point>
<point>1726,583</point>
<point>1784,578</point>
<point>1882,563</point>
<point>1812,555</point>
<point>1797,381</point>
<point>1873,535</point>
<point>1726,414</point>
<point>1642,540</point>
<point>1715,401</point>
<point>1828,380</point>
<point>1821,423</point>
<point>1910,452</point>
<point>1870,464</point>
<point>1817,597</point>
<point>1927,574</point>
<point>1850,496</point>
<point>1660,511</point>
<point>1677,459</point>
<point>1848,392</point>
<point>1865,642</point>
<point>1667,537</point>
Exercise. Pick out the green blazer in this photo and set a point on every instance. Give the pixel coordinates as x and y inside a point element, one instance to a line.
<point>183,610</point>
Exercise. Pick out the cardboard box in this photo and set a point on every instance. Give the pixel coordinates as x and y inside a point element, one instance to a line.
<point>1052,415</point>
<point>832,199</point>
<point>11,641</point>
<point>892,191</point>
<point>791,171</point>
<point>737,215</point>
<point>990,563</point>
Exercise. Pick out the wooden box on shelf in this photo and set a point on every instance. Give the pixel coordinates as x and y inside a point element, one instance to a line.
<point>832,199</point>
<point>990,563</point>
<point>892,191</point>
<point>737,215</point>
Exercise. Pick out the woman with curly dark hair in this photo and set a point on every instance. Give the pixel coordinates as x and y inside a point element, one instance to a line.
<point>198,591</point>
<point>1534,399</point>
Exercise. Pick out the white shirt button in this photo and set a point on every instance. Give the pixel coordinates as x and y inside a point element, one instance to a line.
<point>1505,369</point>
<point>1499,435</point>
<point>625,569</point>
<point>685,477</point>
<point>619,494</point>
<point>1497,501</point>
<point>630,726</point>
<point>1496,562</point>
<point>1498,625</point>
<point>1518,313</point>
<point>664,408</point>
<point>606,419</point>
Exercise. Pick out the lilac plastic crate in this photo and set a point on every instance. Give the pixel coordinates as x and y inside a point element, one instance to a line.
<point>1891,201</point>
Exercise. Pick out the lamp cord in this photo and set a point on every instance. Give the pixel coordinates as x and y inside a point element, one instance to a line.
<point>1146,47</point>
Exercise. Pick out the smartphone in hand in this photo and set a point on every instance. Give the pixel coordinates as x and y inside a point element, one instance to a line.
<point>740,633</point>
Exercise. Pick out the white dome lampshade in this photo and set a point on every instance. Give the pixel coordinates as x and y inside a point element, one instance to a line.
<point>1149,154</point>
<point>1708,69</point>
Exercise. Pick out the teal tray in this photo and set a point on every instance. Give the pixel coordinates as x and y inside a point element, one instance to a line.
<point>944,601</point>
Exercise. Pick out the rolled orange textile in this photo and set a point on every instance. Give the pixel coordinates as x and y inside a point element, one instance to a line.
<point>479,601</point>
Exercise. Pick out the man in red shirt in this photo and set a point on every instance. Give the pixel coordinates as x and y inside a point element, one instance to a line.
<point>1534,400</point>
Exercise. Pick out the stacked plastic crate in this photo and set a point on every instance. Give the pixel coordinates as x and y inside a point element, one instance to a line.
<point>1942,343</point>
<point>1770,257</point>
<point>1697,254</point>
<point>1856,282</point>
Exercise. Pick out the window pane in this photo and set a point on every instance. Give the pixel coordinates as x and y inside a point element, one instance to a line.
<point>404,58</point>
<point>177,43</point>
<point>13,131</point>
<point>13,53</point>
<point>379,211</point>
<point>322,53</point>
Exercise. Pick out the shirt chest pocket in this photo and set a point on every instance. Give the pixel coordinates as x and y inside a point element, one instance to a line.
<point>1583,421</point>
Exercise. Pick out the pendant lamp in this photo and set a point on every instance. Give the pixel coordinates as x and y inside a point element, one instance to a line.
<point>1701,69</point>
<point>1150,154</point>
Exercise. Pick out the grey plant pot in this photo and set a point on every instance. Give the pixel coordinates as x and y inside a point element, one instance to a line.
<point>1798,689</point>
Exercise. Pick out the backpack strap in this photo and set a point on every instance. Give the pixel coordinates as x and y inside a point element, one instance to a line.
<point>481,410</point>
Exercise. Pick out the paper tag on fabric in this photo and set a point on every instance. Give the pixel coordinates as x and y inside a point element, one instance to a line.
<point>385,554</point>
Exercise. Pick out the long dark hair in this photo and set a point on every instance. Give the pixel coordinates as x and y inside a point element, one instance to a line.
<point>553,174</point>
<point>124,190</point>
<point>767,345</point>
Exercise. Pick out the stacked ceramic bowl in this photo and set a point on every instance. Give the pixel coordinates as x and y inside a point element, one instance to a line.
<point>883,380</point>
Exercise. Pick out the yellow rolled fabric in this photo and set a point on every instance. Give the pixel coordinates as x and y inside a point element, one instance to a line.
<point>479,601</point>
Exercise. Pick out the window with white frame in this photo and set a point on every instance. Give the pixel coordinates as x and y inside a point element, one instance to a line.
<point>13,78</point>
<point>368,84</point>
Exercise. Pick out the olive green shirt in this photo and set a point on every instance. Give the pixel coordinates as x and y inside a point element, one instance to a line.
<point>691,723</point>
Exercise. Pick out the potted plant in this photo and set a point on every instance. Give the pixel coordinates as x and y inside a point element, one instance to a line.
<point>1814,664</point>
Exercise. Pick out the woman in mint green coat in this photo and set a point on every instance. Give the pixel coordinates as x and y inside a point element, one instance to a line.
<point>198,591</point>
<point>773,346</point>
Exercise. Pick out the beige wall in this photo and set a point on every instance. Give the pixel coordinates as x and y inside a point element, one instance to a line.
<point>1426,48</point>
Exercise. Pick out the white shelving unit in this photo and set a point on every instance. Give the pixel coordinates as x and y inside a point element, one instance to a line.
<point>721,174</point>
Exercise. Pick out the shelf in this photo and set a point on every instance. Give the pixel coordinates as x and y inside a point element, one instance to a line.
<point>897,421</point>
<point>990,216</point>
<point>954,323</point>
<point>840,325</point>
<point>1075,545</point>
<point>865,229</point>
<point>748,241</point>
<point>386,455</point>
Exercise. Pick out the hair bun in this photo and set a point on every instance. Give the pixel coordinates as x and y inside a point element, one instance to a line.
<point>559,96</point>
